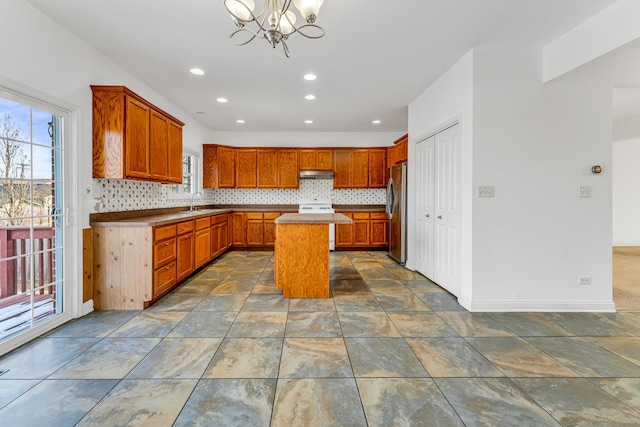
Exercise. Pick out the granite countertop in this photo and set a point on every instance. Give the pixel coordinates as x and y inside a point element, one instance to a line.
<point>160,219</point>
<point>310,218</point>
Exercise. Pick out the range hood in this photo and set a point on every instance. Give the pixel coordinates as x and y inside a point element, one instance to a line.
<point>316,174</point>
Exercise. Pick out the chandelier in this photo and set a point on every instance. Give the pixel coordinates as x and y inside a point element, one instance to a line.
<point>275,22</point>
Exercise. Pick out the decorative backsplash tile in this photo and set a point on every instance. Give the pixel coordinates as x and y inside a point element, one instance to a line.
<point>113,195</point>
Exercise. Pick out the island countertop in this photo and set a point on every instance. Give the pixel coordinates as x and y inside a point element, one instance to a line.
<point>311,218</point>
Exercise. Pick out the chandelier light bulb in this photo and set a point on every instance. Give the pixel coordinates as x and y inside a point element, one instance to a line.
<point>308,9</point>
<point>240,10</point>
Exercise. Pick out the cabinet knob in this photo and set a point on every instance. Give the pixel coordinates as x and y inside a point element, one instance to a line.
<point>167,268</point>
<point>166,243</point>
<point>439,216</point>
<point>426,216</point>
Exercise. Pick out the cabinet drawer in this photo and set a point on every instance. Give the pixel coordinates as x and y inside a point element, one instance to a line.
<point>164,252</point>
<point>271,215</point>
<point>202,223</point>
<point>184,227</point>
<point>360,215</point>
<point>378,215</point>
<point>163,279</point>
<point>164,232</point>
<point>254,215</point>
<point>218,219</point>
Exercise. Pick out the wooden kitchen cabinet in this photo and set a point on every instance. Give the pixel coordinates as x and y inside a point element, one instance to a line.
<point>361,229</point>
<point>219,234</point>
<point>368,229</point>
<point>131,137</point>
<point>377,168</point>
<point>165,252</point>
<point>267,168</point>
<point>288,169</point>
<point>399,152</point>
<point>344,233</point>
<point>202,242</point>
<point>379,229</point>
<point>316,159</point>
<point>255,228</point>
<point>246,165</point>
<point>219,166</point>
<point>174,152</point>
<point>185,245</point>
<point>270,228</point>
<point>238,231</point>
<point>351,168</point>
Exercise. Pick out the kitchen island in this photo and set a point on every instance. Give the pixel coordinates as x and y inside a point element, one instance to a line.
<point>301,263</point>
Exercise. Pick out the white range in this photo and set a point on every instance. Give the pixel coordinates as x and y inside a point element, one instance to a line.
<point>316,206</point>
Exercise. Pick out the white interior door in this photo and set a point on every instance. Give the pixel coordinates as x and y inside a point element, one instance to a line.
<point>425,206</point>
<point>447,209</point>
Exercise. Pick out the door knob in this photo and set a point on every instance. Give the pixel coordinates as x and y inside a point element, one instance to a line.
<point>439,216</point>
<point>426,216</point>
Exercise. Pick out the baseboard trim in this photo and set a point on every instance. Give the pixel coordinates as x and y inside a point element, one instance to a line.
<point>538,306</point>
<point>87,308</point>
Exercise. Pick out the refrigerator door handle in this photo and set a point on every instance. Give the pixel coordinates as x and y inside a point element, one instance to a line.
<point>390,198</point>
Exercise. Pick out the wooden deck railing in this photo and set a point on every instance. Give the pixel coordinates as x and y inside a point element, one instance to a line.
<point>15,272</point>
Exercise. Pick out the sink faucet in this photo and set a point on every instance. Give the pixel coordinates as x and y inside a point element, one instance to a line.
<point>191,203</point>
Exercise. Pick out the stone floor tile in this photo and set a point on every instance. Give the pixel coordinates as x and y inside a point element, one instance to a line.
<point>97,324</point>
<point>141,402</point>
<point>231,286</point>
<point>314,358</point>
<point>246,358</point>
<point>229,403</point>
<point>416,402</point>
<point>530,325</point>
<point>474,324</point>
<point>266,302</point>
<point>626,390</point>
<point>204,324</point>
<point>55,402</point>
<point>222,302</point>
<point>517,358</point>
<point>386,285</point>
<point>177,358</point>
<point>11,389</point>
<point>626,347</point>
<point>383,357</point>
<point>440,301</point>
<point>111,358</point>
<point>348,286</point>
<point>367,324</point>
<point>492,402</point>
<point>150,324</point>
<point>400,301</point>
<point>585,324</point>
<point>451,357</point>
<point>312,304</point>
<point>361,301</point>
<point>317,402</point>
<point>258,324</point>
<point>626,320</point>
<point>313,324</point>
<point>420,324</point>
<point>177,302</point>
<point>576,401</point>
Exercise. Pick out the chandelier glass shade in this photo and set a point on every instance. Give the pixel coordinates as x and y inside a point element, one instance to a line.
<point>275,21</point>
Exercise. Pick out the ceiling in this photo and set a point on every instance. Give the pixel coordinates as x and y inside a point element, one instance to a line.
<point>375,58</point>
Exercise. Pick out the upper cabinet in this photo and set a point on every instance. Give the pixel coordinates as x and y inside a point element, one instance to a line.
<point>377,167</point>
<point>359,168</point>
<point>316,159</point>
<point>288,169</point>
<point>246,168</point>
<point>219,164</point>
<point>398,153</point>
<point>134,139</point>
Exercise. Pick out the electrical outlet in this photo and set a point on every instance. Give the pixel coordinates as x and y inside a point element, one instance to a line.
<point>584,280</point>
<point>584,191</point>
<point>486,191</point>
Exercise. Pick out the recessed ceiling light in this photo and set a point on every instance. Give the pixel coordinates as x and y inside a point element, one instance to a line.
<point>376,122</point>
<point>196,71</point>
<point>310,76</point>
<point>222,100</point>
<point>308,121</point>
<point>310,97</point>
<point>240,121</point>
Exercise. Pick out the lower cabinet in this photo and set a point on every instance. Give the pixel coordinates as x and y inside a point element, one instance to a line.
<point>219,234</point>
<point>203,242</point>
<point>368,229</point>
<point>254,229</point>
<point>185,244</point>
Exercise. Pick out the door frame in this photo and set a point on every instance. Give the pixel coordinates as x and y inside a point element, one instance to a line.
<point>73,305</point>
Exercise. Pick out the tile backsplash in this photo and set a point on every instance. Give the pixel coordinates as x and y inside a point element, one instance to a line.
<point>113,195</point>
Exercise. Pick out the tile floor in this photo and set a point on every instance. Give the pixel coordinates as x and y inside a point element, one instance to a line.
<point>390,348</point>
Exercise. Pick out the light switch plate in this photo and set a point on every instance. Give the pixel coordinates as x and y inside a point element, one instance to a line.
<point>486,191</point>
<point>584,191</point>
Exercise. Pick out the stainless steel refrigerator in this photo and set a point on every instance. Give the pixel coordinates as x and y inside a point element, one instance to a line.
<point>397,212</point>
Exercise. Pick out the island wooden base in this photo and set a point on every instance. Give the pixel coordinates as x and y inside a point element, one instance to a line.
<point>302,260</point>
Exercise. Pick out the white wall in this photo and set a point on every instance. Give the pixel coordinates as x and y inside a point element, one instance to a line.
<point>448,99</point>
<point>306,139</point>
<point>626,192</point>
<point>536,143</point>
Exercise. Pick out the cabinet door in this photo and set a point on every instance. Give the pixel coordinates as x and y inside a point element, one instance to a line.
<point>359,164</point>
<point>379,232</point>
<point>238,231</point>
<point>307,160</point>
<point>159,145</point>
<point>223,237</point>
<point>226,167</point>
<point>324,160</point>
<point>288,172</point>
<point>344,233</point>
<point>174,154</point>
<point>246,164</point>
<point>267,168</point>
<point>255,229</point>
<point>391,156</point>
<point>270,228</point>
<point>202,247</point>
<point>136,140</point>
<point>163,279</point>
<point>184,265</point>
<point>361,229</point>
<point>402,148</point>
<point>341,169</point>
<point>377,167</point>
